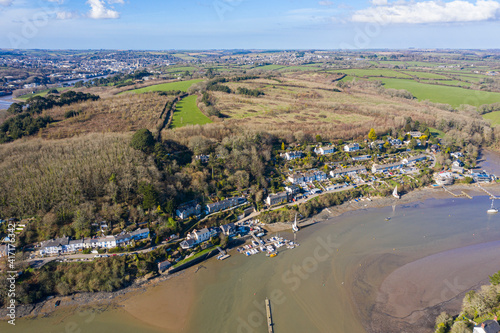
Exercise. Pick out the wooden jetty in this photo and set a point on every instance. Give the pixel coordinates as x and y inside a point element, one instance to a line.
<point>269,316</point>
<point>463,194</point>
<point>492,196</point>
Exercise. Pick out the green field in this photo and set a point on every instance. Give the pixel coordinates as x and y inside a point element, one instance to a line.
<point>494,117</point>
<point>270,67</point>
<point>436,133</point>
<point>187,113</point>
<point>373,73</point>
<point>453,96</point>
<point>180,85</point>
<point>425,75</point>
<point>180,69</point>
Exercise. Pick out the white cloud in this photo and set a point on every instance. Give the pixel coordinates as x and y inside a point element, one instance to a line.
<point>379,2</point>
<point>6,3</point>
<point>430,12</point>
<point>66,15</point>
<point>116,1</point>
<point>325,3</point>
<point>98,10</point>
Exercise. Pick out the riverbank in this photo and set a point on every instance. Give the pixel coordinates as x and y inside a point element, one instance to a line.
<point>182,288</point>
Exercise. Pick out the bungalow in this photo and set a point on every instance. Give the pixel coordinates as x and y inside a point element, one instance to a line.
<point>224,204</point>
<point>361,158</point>
<point>228,229</point>
<point>458,163</point>
<point>415,134</point>
<point>324,150</point>
<point>489,326</point>
<point>377,144</point>
<point>293,155</point>
<point>351,147</point>
<point>376,168</point>
<point>164,265</point>
<point>457,154</point>
<point>274,199</point>
<point>414,159</point>
<point>347,171</point>
<point>188,243</point>
<point>187,209</point>
<point>444,178</point>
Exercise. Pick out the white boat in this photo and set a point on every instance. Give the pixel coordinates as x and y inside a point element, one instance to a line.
<point>492,209</point>
<point>294,226</point>
<point>395,193</point>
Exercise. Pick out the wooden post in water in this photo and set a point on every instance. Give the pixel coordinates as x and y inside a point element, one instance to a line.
<point>269,316</point>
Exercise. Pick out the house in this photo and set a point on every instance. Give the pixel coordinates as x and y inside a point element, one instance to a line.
<point>292,189</point>
<point>347,171</point>
<point>456,168</point>
<point>224,204</point>
<point>202,158</point>
<point>361,158</point>
<point>187,209</point>
<point>140,234</point>
<point>489,326</point>
<point>351,147</point>
<point>444,178</point>
<point>435,148</point>
<point>312,176</point>
<point>376,168</point>
<point>188,244</point>
<point>163,265</point>
<point>274,199</point>
<point>414,159</point>
<point>377,144</point>
<point>456,154</point>
<point>415,134</point>
<point>324,150</point>
<point>481,177</point>
<point>296,178</point>
<point>199,236</point>
<point>228,229</point>
<point>396,142</point>
<point>293,155</point>
<point>458,163</point>
<point>107,242</point>
<point>54,246</point>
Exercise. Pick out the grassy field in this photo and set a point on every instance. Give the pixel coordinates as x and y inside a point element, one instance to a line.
<point>373,73</point>
<point>436,133</point>
<point>180,85</point>
<point>493,117</point>
<point>426,75</point>
<point>187,113</point>
<point>454,96</point>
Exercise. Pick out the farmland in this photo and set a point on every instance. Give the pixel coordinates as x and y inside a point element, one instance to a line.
<point>494,117</point>
<point>453,96</point>
<point>180,85</point>
<point>187,113</point>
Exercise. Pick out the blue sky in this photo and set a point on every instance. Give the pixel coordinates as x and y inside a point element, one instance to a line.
<point>249,24</point>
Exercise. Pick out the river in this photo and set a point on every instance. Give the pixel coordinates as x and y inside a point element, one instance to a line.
<point>351,273</point>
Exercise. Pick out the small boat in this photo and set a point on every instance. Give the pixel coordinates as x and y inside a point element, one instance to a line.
<point>395,193</point>
<point>294,226</point>
<point>492,209</point>
<point>260,235</point>
<point>272,254</point>
<point>387,218</point>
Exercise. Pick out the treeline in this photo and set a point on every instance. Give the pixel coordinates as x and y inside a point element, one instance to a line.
<point>250,92</point>
<point>37,104</point>
<point>118,80</point>
<point>477,306</point>
<point>22,125</point>
<point>106,274</point>
<point>487,108</point>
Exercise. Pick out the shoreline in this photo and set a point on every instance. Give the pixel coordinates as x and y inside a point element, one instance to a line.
<point>119,298</point>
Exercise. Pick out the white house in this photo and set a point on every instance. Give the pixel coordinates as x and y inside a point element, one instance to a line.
<point>324,150</point>
<point>415,134</point>
<point>199,236</point>
<point>293,155</point>
<point>351,147</point>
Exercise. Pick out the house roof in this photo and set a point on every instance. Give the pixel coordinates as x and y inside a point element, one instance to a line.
<point>490,326</point>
